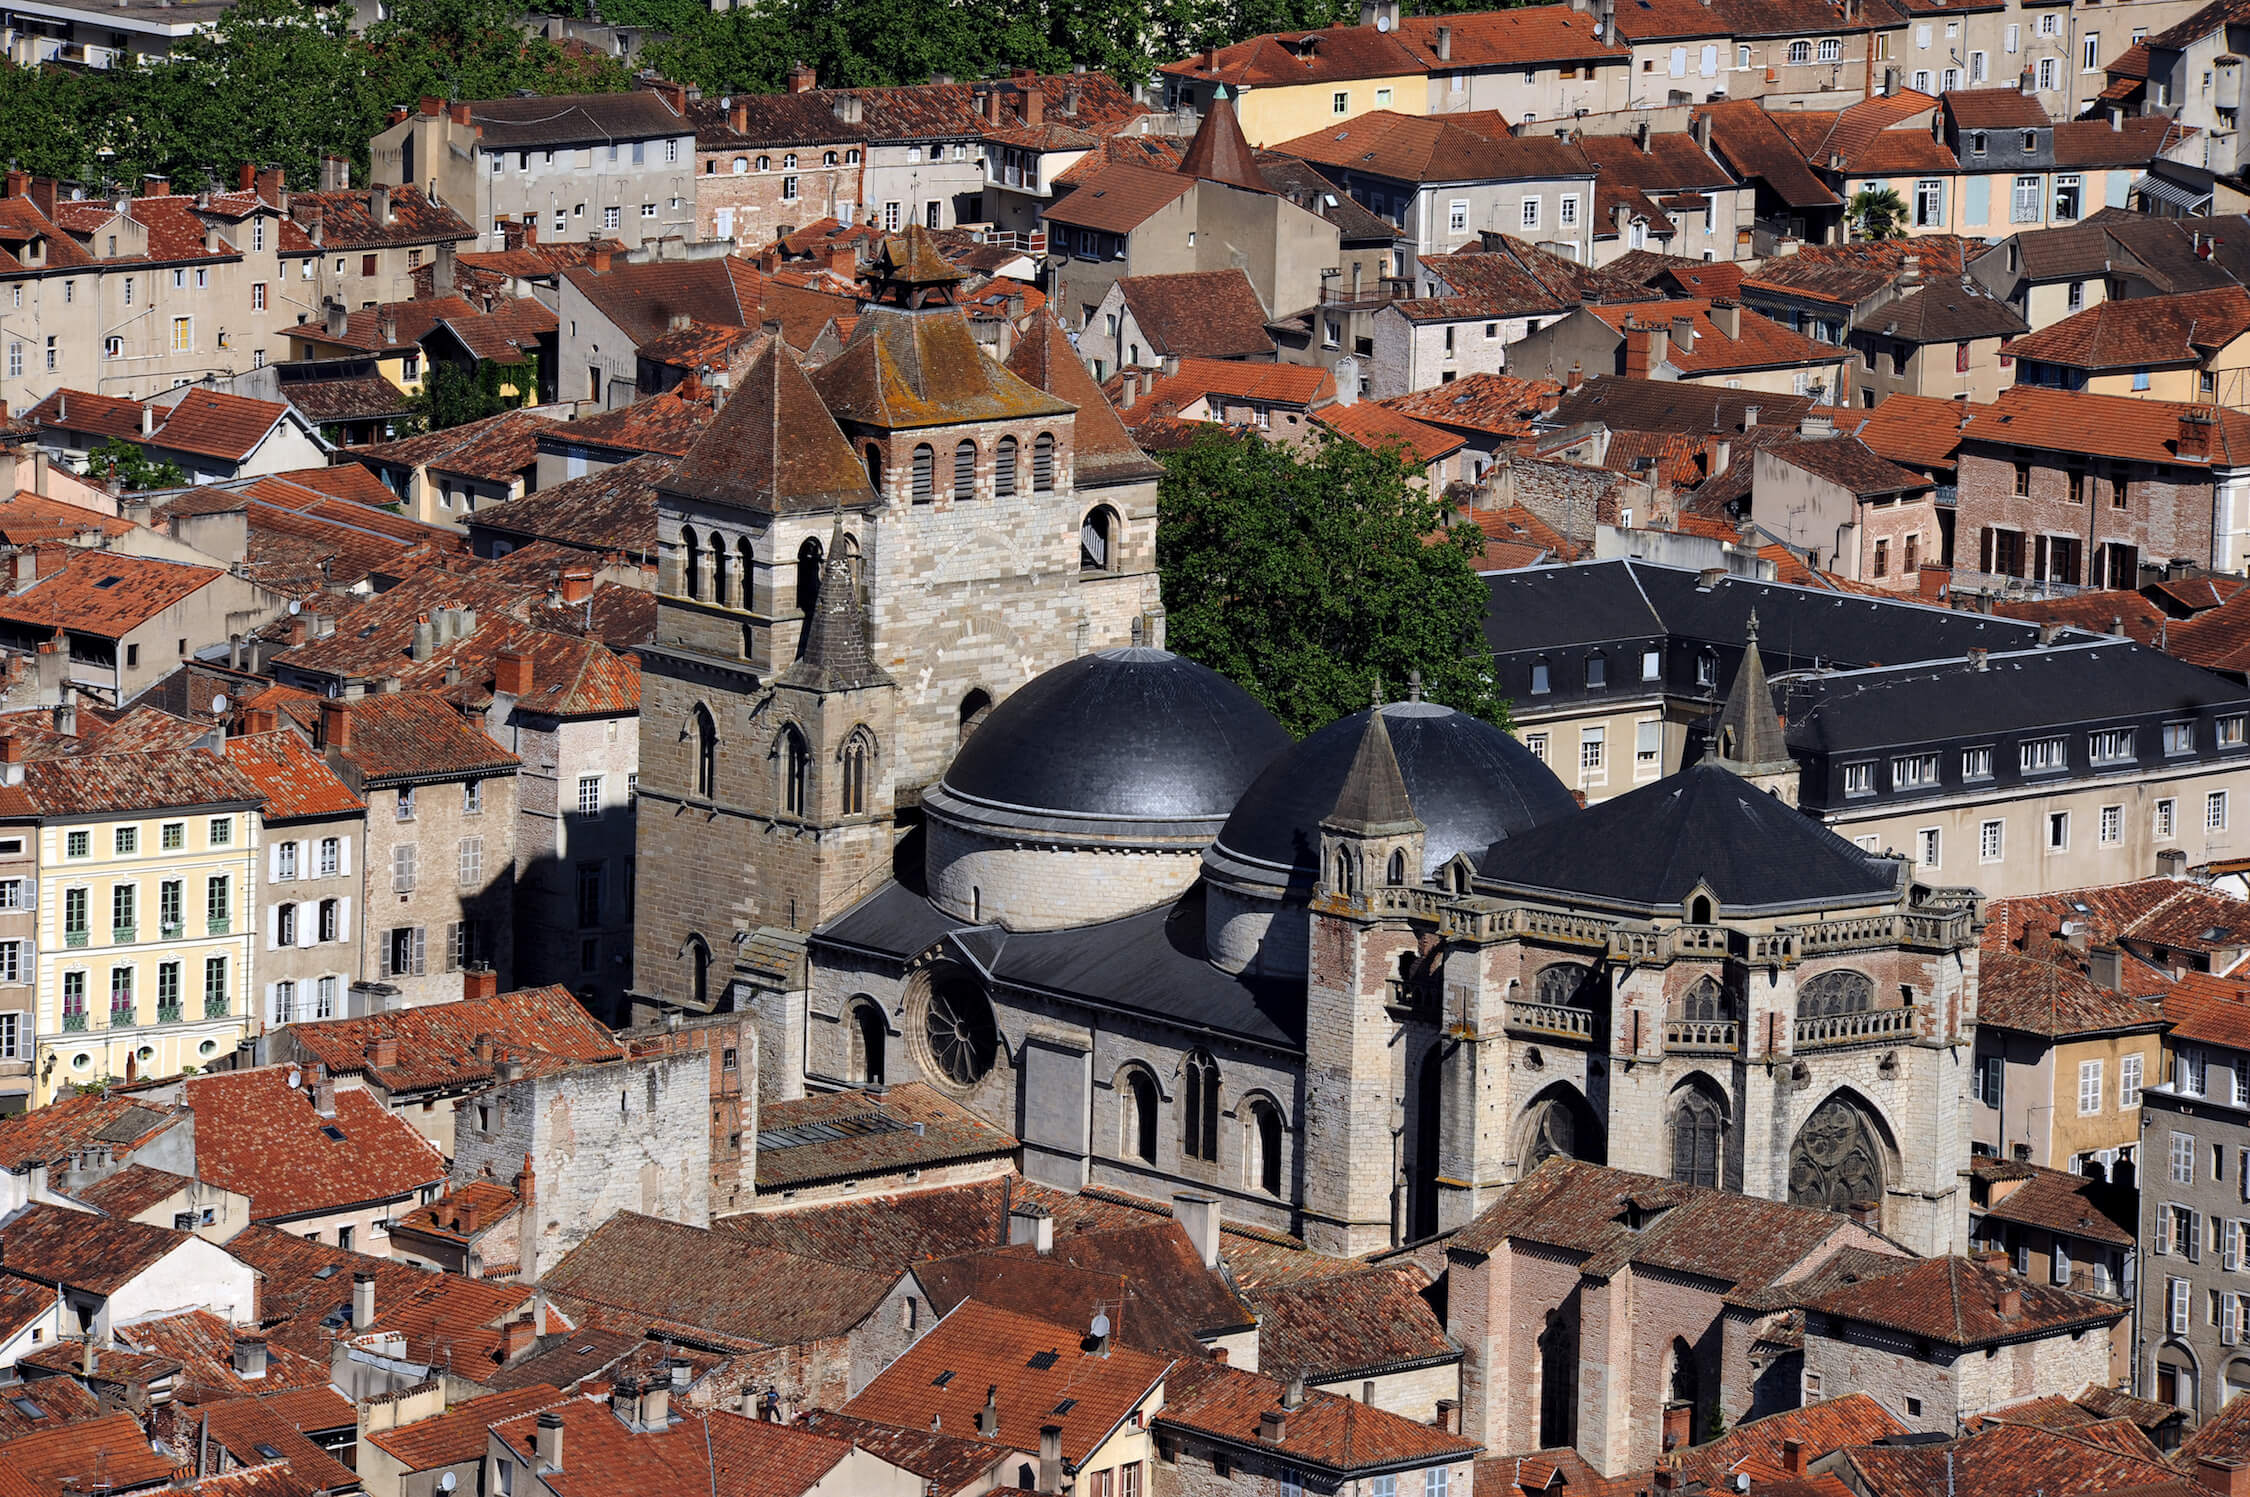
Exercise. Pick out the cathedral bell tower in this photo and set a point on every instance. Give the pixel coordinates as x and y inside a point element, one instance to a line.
<point>1370,848</point>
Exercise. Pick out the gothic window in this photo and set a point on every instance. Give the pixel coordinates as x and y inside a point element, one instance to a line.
<point>1043,464</point>
<point>1700,912</point>
<point>746,558</point>
<point>808,576</point>
<point>1347,873</point>
<point>719,570</point>
<point>855,756</point>
<point>965,471</point>
<point>1396,873</point>
<point>866,1032</point>
<point>1097,540</point>
<point>925,474</point>
<point>1835,993</point>
<point>1698,1135</point>
<point>706,752</point>
<point>1837,1162</point>
<point>699,970</point>
<point>1550,1132</point>
<point>1261,1165</point>
<point>875,468</point>
<point>1004,469</point>
<point>1199,1111</point>
<point>1707,1000</point>
<point>1558,1382</point>
<point>796,773</point>
<point>959,1029</point>
<point>974,706</point>
<point>691,563</point>
<point>1565,985</point>
<point>1686,1381</point>
<point>1137,1125</point>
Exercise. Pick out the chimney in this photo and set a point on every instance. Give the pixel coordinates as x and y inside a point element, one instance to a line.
<point>460,114</point>
<point>379,203</point>
<point>336,726</point>
<point>1647,345</point>
<point>512,672</point>
<point>1032,1223</point>
<point>599,260</point>
<point>516,1338</point>
<point>2023,82</point>
<point>1034,103</point>
<point>26,567</point>
<point>656,1403</point>
<point>988,1417</point>
<point>1749,417</point>
<point>1273,1427</point>
<point>1198,1216</point>
<point>324,1092</point>
<point>2195,436</point>
<point>548,1442</point>
<point>66,713</point>
<point>1050,1458</point>
<point>363,1301</point>
<point>148,420</point>
<point>19,182</point>
<point>1793,1457</point>
<point>1640,135</point>
<point>479,982</point>
<point>802,80</point>
<point>577,584</point>
<point>1726,316</point>
<point>382,1052</point>
<point>250,1357</point>
<point>1293,1391</point>
<point>468,1218</point>
<point>2228,1478</point>
<point>1683,333</point>
<point>2104,964</point>
<point>2011,1303</point>
<point>1576,376</point>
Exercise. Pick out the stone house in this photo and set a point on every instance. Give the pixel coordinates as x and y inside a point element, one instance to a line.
<point>1420,343</point>
<point>410,1442</point>
<point>103,1273</point>
<point>1664,190</point>
<point>1287,83</point>
<point>440,854</point>
<point>1837,504</point>
<point>1940,1341</point>
<point>2050,274</point>
<point>618,164</point>
<point>1620,1314</point>
<point>366,243</point>
<point>1223,1428</point>
<point>209,435</point>
<point>1698,341</point>
<point>2083,489</point>
<point>125,622</point>
<point>442,477</point>
<point>2065,1230</point>
<point>1146,322</point>
<point>1801,55</point>
<point>19,936</point>
<point>768,164</point>
<point>611,308</point>
<point>2062,1062</point>
<point>1370,1335</point>
<point>2189,348</point>
<point>309,882</point>
<point>1946,340</point>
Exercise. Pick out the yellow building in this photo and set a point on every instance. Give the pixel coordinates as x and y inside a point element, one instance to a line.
<point>2192,347</point>
<point>1291,83</point>
<point>146,864</point>
<point>2060,1061</point>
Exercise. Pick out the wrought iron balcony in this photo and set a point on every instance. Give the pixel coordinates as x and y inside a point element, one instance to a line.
<point>169,1013</point>
<point>216,1008</point>
<point>74,1023</point>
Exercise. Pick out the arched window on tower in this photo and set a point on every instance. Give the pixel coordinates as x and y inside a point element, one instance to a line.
<point>1261,1162</point>
<point>965,471</point>
<point>719,589</point>
<point>1097,540</point>
<point>746,558</point>
<point>974,707</point>
<point>867,1035</point>
<point>699,971</point>
<point>1043,463</point>
<point>857,751</point>
<point>706,752</point>
<point>1136,1126</point>
<point>925,474</point>
<point>796,772</point>
<point>1698,1135</point>
<point>1396,873</point>
<point>1004,469</point>
<point>809,560</point>
<point>691,563</point>
<point>1199,1108</point>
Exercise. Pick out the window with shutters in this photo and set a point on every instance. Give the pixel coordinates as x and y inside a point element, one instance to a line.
<point>285,860</point>
<point>1004,469</point>
<point>2188,1071</point>
<point>2176,1305</point>
<point>472,861</point>
<point>2089,1087</point>
<point>965,471</point>
<point>331,856</point>
<point>402,869</point>
<point>1043,463</point>
<point>2180,1158</point>
<point>2060,1266</point>
<point>403,951</point>
<point>324,1005</point>
<point>285,1003</point>
<point>285,925</point>
<point>924,470</point>
<point>2129,1082</point>
<point>331,920</point>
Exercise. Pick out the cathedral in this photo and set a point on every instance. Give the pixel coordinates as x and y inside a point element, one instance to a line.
<point>923,791</point>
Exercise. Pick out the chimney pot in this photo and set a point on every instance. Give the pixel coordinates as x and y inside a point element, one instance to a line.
<point>549,1440</point>
<point>336,725</point>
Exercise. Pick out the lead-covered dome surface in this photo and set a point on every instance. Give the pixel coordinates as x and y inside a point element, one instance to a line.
<point>1472,785</point>
<point>1125,735</point>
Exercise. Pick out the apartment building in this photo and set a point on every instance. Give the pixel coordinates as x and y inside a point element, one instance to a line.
<point>309,877</point>
<point>147,863</point>
<point>2061,1060</point>
<point>125,622</point>
<point>2191,348</point>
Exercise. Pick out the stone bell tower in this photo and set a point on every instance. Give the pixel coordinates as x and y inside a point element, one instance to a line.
<point>1370,857</point>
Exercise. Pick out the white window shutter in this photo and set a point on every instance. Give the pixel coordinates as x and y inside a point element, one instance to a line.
<point>308,924</point>
<point>2230,1259</point>
<point>344,855</point>
<point>2162,1242</point>
<point>344,918</point>
<point>2228,1307</point>
<point>2195,1237</point>
<point>273,861</point>
<point>421,956</point>
<point>273,927</point>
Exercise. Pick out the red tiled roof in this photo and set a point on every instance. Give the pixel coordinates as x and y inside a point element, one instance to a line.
<point>294,778</point>
<point>444,1318</point>
<point>1278,59</point>
<point>69,1125</point>
<point>1954,1301</point>
<point>1498,404</point>
<point>1920,430</point>
<point>2118,426</point>
<point>1358,1324</point>
<point>203,1345</point>
<point>105,593</point>
<point>545,1029</point>
<point>97,1254</point>
<point>1761,343</point>
<point>415,735</point>
<point>2007,1460</point>
<point>1273,384</point>
<point>247,1428</point>
<point>1325,1432</point>
<point>1751,141</point>
<point>2054,1200</point>
<point>143,781</point>
<point>457,1436</point>
<point>2177,329</point>
<point>260,1137</point>
<point>111,1452</point>
<point>387,326</point>
<point>2041,998</point>
<point>1426,148</point>
<point>1508,38</point>
<point>28,519</point>
<point>721,1454</point>
<point>1996,109</point>
<point>1755,1447</point>
<point>2103,612</point>
<point>1117,198</point>
<point>1376,427</point>
<point>496,448</point>
<point>131,1191</point>
<point>1212,314</point>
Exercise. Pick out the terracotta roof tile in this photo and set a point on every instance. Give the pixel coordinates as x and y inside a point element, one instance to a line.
<point>293,777</point>
<point>840,1135</point>
<point>70,1125</point>
<point>642,298</point>
<point>76,1249</point>
<point>1281,58</point>
<point>1425,148</point>
<point>1376,426</point>
<point>1954,1301</point>
<point>774,448</point>
<point>2003,1460</point>
<point>1102,452</point>
<point>1495,404</point>
<point>54,1401</point>
<point>1996,109</point>
<point>28,519</point>
<point>135,782</point>
<point>443,1317</point>
<point>1760,342</point>
<point>496,448</point>
<point>1514,536</point>
<point>1117,198</point>
<point>1325,1432</point>
<point>252,1430</point>
<point>507,333</point>
<point>458,1436</point>
<point>1755,1447</point>
<point>1272,384</point>
<point>110,1451</point>
<point>1362,1324</point>
<point>1849,464</point>
<point>347,219</point>
<point>204,1346</point>
<point>2118,426</point>
<point>2054,1200</point>
<point>1508,38</point>
<point>610,510</point>
<point>2145,330</point>
<point>131,1190</point>
<point>2041,998</point>
<point>22,1303</point>
<point>545,1029</point>
<point>260,1137</point>
<point>104,593</point>
<point>950,1462</point>
<point>1919,430</point>
<point>414,735</point>
<point>1212,314</point>
<point>1751,142</point>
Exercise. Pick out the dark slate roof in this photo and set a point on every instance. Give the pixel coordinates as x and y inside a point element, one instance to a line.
<point>2017,692</point>
<point>1650,848</point>
<point>1470,783</point>
<point>1132,735</point>
<point>1669,405</point>
<point>1152,963</point>
<point>573,119</point>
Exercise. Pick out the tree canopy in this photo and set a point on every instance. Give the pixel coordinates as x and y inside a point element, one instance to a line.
<point>132,467</point>
<point>1313,576</point>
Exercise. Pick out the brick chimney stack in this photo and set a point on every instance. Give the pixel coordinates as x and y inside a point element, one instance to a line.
<point>2195,435</point>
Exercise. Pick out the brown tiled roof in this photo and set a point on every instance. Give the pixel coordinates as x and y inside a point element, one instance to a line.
<point>838,1135</point>
<point>2224,1435</point>
<point>1362,1324</point>
<point>774,448</point>
<point>2004,1460</point>
<point>496,448</point>
<point>1755,1447</point>
<point>106,593</point>
<point>507,332</point>
<point>485,1203</point>
<point>2041,998</point>
<point>722,1454</point>
<point>545,1029</point>
<point>1917,429</point>
<point>1147,1277</point>
<point>1219,152</point>
<point>203,1345</point>
<point>1623,404</point>
<point>2208,1010</point>
<point>416,735</point>
<point>1670,162</point>
<point>1425,148</point>
<point>1751,141</point>
<point>2119,426</point>
<point>1847,463</point>
<point>1996,109</point>
<point>1714,1234</point>
<point>2102,612</point>
<point>292,776</point>
<point>2217,638</point>
<point>345,397</point>
<point>1686,18</point>
<point>2145,330</point>
<point>643,298</point>
<point>1378,426</point>
<point>1117,198</point>
<point>575,1357</point>
<point>1101,450</point>
<point>1948,310</point>
<point>247,1428</point>
<point>386,327</point>
<point>111,1452</point>
<point>207,423</point>
<point>2166,911</point>
<point>53,1401</point>
<point>2055,1200</point>
<point>715,1281</point>
<point>910,369</point>
<point>1762,343</point>
<point>444,1318</point>
<point>457,1436</point>
<point>1515,537</point>
<point>28,519</point>
<point>95,1254</point>
<point>70,1125</point>
<point>1325,1432</point>
<point>1211,314</point>
<point>1278,59</point>
<point>1498,404</point>
<point>347,219</point>
<point>1043,1373</point>
<point>1954,1301</point>
<point>778,119</point>
<point>1302,183</point>
<point>610,510</point>
<point>260,1137</point>
<point>140,782</point>
<point>131,1190</point>
<point>949,1462</point>
<point>2134,141</point>
<point>1508,38</point>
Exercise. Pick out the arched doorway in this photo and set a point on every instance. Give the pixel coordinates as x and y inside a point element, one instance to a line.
<point>1838,1160</point>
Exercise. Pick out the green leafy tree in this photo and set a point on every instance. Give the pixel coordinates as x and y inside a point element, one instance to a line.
<point>1310,575</point>
<point>1878,213</point>
<point>453,396</point>
<point>114,456</point>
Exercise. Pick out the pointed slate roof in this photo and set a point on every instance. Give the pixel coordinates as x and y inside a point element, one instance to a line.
<point>1101,450</point>
<point>1649,849</point>
<point>1220,152</point>
<point>905,369</point>
<point>1373,802</point>
<point>835,655</point>
<point>1749,734</point>
<point>773,448</point>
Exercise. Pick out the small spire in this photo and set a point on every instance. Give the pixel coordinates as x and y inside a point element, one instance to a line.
<point>1373,801</point>
<point>1414,684</point>
<point>1750,630</point>
<point>1748,734</point>
<point>1375,693</point>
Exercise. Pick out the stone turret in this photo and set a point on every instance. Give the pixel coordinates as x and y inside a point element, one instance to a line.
<point>1748,738</point>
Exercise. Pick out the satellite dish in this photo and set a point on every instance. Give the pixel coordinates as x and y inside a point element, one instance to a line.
<point>445,1481</point>
<point>219,703</point>
<point>295,607</point>
<point>1382,23</point>
<point>1101,1325</point>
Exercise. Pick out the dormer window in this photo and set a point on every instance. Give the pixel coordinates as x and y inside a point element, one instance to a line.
<point>2030,141</point>
<point>1976,142</point>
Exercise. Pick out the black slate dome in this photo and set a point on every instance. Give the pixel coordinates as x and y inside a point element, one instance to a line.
<point>1130,735</point>
<point>1471,783</point>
